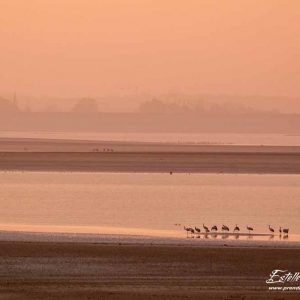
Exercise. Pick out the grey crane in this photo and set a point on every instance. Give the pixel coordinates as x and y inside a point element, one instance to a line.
<point>225,228</point>
<point>205,228</point>
<point>215,228</point>
<point>249,228</point>
<point>271,229</point>
<point>236,228</point>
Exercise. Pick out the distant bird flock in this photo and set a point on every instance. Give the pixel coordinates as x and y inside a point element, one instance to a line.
<point>226,230</point>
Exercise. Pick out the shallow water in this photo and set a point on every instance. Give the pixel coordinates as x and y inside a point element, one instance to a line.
<point>193,138</point>
<point>148,204</point>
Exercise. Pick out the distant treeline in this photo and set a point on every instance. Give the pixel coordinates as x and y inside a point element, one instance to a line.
<point>153,116</point>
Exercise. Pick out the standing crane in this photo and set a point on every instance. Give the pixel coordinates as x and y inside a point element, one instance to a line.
<point>236,228</point>
<point>285,231</point>
<point>205,228</point>
<point>225,228</point>
<point>197,229</point>
<point>249,228</point>
<point>215,228</point>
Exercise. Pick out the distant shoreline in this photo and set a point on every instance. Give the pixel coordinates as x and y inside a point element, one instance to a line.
<point>46,144</point>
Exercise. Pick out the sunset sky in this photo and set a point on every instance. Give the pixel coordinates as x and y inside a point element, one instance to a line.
<point>91,47</point>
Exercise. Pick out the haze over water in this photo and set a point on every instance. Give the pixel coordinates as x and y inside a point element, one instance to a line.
<point>146,203</point>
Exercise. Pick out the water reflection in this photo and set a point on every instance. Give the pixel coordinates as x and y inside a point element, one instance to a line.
<point>238,236</point>
<point>214,235</point>
<point>225,236</point>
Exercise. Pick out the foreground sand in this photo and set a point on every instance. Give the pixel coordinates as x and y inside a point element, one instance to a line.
<point>45,270</point>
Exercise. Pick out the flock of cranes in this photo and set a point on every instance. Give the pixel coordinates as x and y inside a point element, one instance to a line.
<point>281,230</point>
<point>225,229</point>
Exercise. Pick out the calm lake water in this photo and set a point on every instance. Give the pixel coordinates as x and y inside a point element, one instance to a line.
<point>147,203</point>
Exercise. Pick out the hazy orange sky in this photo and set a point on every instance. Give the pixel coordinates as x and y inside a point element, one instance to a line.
<point>93,47</point>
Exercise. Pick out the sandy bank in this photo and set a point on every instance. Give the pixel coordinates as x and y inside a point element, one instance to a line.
<point>197,162</point>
